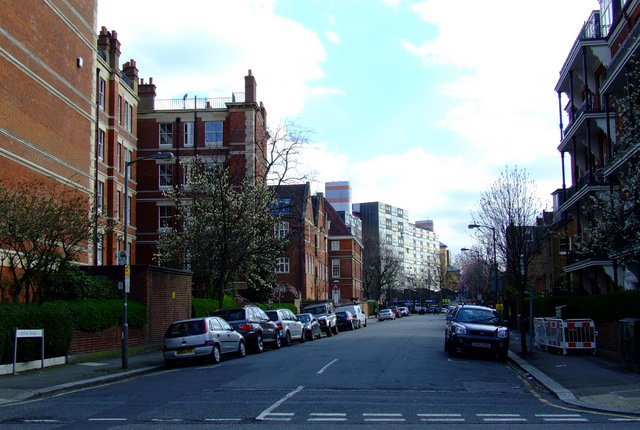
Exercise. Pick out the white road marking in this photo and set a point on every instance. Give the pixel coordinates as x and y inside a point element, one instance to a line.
<point>267,411</point>
<point>321,371</point>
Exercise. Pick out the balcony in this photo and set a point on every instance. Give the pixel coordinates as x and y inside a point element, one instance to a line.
<point>622,151</point>
<point>591,108</point>
<point>615,69</point>
<point>197,103</point>
<point>591,182</point>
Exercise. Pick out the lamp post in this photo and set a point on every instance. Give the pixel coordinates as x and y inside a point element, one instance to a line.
<point>477,266</point>
<point>125,325</point>
<point>494,272</point>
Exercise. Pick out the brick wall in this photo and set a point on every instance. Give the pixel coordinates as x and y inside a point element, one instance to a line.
<point>165,292</point>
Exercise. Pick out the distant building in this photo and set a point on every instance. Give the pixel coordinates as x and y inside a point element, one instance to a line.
<point>417,248</point>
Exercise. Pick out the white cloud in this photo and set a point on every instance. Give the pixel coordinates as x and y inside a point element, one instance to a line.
<point>333,36</point>
<point>208,61</point>
<point>322,91</point>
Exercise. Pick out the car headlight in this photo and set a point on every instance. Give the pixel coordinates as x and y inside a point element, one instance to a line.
<point>503,334</point>
<point>460,329</point>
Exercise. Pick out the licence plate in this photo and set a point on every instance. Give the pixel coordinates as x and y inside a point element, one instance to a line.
<point>481,345</point>
<point>184,351</point>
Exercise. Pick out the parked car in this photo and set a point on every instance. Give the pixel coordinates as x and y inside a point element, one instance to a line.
<point>396,311</point>
<point>386,314</point>
<point>357,312</point>
<point>289,325</point>
<point>404,311</point>
<point>326,316</point>
<point>346,321</point>
<point>252,323</point>
<point>476,328</point>
<point>207,337</point>
<point>312,328</point>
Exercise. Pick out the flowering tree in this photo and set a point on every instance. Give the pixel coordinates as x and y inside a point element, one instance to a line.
<point>224,231</point>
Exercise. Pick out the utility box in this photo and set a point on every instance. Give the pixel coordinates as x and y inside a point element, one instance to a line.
<point>562,312</point>
<point>630,339</point>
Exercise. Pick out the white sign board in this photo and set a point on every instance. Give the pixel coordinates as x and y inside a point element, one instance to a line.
<point>29,333</point>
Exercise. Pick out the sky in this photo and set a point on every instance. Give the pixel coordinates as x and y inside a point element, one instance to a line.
<point>418,104</point>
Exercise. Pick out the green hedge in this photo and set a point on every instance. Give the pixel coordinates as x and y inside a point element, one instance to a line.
<point>205,307</point>
<point>600,308</point>
<point>58,320</point>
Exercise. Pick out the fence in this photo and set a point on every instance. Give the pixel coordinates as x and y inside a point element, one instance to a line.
<point>565,334</point>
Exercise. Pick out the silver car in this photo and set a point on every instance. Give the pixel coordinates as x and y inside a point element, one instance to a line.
<point>206,337</point>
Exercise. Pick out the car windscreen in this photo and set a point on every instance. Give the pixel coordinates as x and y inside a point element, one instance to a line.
<point>186,328</point>
<point>304,318</point>
<point>480,316</point>
<point>341,314</point>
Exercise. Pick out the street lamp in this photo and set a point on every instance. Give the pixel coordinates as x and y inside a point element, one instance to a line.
<point>494,273</point>
<point>477,266</point>
<point>125,326</point>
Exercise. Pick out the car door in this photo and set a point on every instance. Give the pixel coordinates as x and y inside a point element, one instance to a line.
<point>269,328</point>
<point>219,334</point>
<point>295,326</point>
<point>231,337</point>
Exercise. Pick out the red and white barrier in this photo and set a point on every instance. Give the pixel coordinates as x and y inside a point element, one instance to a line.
<point>565,334</point>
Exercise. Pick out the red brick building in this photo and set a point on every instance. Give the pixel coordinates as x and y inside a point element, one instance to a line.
<point>116,143</point>
<point>231,130</point>
<point>345,258</point>
<point>303,274</point>
<point>47,93</point>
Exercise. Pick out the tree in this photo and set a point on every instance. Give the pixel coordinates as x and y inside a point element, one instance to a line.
<point>224,230</point>
<point>613,230</point>
<point>476,273</point>
<point>42,229</point>
<point>285,147</point>
<point>381,269</point>
<point>509,208</point>
<point>614,221</point>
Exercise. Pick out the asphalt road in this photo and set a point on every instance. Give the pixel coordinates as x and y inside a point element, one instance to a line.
<point>392,374</point>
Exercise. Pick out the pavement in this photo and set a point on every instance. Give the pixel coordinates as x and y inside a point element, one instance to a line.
<point>579,378</point>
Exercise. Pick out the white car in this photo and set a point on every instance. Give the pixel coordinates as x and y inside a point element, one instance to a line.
<point>290,326</point>
<point>386,314</point>
<point>357,312</point>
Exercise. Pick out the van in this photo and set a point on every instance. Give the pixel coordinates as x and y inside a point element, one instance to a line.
<point>357,312</point>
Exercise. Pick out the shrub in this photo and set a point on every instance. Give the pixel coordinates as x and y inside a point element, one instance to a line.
<point>59,319</point>
<point>204,307</point>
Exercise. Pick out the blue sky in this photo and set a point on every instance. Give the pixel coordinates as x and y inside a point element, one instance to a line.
<point>419,104</point>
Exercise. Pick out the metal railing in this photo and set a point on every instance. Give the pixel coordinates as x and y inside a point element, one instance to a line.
<point>198,103</point>
<point>630,42</point>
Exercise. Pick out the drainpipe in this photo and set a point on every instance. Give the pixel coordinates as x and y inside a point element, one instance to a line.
<point>95,166</point>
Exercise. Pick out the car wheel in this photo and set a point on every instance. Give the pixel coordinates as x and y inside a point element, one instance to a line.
<point>277,343</point>
<point>446,346</point>
<point>287,339</point>
<point>319,334</point>
<point>329,332</point>
<point>335,330</point>
<point>452,351</point>
<point>215,354</point>
<point>303,338</point>
<point>259,345</point>
<point>365,323</point>
<point>242,349</point>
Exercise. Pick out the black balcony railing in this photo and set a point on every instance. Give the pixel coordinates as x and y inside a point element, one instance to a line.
<point>198,103</point>
<point>590,179</point>
<point>630,43</point>
<point>592,28</point>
